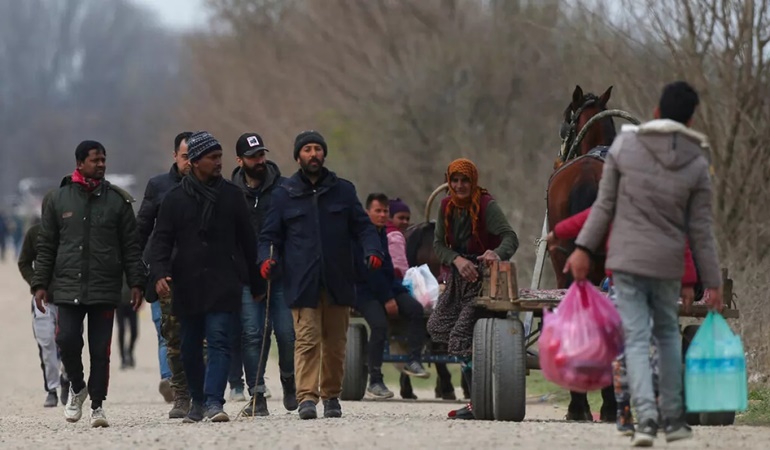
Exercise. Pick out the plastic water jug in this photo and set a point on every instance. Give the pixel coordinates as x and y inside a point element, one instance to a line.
<point>715,369</point>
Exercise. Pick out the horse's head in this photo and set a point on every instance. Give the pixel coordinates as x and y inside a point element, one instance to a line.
<point>579,111</point>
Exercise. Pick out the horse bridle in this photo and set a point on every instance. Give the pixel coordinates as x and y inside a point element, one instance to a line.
<point>568,131</point>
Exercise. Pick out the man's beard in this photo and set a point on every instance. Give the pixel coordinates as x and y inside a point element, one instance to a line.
<point>310,168</point>
<point>258,172</point>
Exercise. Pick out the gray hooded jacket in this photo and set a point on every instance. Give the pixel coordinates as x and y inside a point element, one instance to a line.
<point>655,192</point>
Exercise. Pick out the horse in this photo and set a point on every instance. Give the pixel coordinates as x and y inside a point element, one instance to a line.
<point>572,188</point>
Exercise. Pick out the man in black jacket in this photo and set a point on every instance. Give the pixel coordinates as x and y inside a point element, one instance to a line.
<point>205,222</point>
<point>86,244</point>
<point>173,384</point>
<point>311,225</point>
<point>257,177</point>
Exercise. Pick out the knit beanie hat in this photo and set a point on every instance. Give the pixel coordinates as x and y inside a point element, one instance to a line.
<point>200,143</point>
<point>397,206</point>
<point>308,137</point>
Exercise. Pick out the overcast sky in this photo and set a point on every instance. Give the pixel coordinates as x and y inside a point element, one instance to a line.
<point>177,13</point>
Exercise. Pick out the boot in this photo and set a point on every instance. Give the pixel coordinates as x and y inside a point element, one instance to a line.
<point>289,393</point>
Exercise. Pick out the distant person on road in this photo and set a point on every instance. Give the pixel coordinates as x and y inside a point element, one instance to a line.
<point>128,330</point>
<point>204,250</point>
<point>44,324</point>
<point>86,245</point>
<point>173,383</point>
<point>311,225</point>
<point>3,235</point>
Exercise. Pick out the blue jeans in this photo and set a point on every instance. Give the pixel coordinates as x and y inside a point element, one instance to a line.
<point>235,378</point>
<point>245,343</point>
<point>207,382</point>
<point>641,300</point>
<point>282,322</point>
<point>165,371</point>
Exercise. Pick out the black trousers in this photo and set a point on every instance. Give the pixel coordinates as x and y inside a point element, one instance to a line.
<point>375,315</point>
<point>69,338</point>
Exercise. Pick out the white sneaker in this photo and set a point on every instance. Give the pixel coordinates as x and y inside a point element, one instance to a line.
<point>98,418</point>
<point>73,410</point>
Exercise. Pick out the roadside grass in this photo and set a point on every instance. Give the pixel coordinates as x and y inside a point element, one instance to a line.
<point>758,413</point>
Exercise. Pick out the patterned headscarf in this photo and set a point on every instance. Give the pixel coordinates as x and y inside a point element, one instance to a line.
<point>473,203</point>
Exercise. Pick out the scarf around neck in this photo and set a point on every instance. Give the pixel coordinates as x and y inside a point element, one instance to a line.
<point>205,195</point>
<point>89,183</point>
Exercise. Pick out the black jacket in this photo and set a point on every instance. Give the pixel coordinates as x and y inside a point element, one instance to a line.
<point>207,274</point>
<point>157,188</point>
<point>312,228</point>
<point>378,285</point>
<point>259,199</point>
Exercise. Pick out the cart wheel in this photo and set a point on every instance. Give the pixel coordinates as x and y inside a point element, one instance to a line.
<point>481,383</point>
<point>354,380</point>
<point>509,370</point>
<point>717,419</point>
<point>688,334</point>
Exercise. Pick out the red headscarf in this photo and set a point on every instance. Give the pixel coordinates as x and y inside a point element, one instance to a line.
<point>472,204</point>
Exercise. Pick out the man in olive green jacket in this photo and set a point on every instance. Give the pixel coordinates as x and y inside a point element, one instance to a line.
<point>87,242</point>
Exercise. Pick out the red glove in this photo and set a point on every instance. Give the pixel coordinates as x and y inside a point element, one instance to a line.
<point>373,262</point>
<point>266,268</point>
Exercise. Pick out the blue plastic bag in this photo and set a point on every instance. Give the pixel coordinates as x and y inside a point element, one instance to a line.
<point>715,369</point>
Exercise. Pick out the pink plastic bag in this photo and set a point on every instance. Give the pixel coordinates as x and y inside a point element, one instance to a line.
<point>580,340</point>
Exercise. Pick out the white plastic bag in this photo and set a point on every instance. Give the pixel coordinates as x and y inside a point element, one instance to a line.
<point>422,285</point>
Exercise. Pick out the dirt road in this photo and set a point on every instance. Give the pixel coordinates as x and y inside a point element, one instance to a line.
<point>138,414</point>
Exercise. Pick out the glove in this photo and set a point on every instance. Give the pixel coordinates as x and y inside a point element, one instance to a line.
<point>373,262</point>
<point>266,268</point>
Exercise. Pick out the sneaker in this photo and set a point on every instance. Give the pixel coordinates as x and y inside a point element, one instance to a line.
<point>65,389</point>
<point>165,390</point>
<point>289,393</point>
<point>645,434</point>
<point>625,420</point>
<point>676,430</point>
<point>259,404</point>
<point>332,408</point>
<point>307,410</point>
<point>464,413</point>
<point>236,395</point>
<point>195,414</point>
<point>73,410</point>
<point>215,413</point>
<point>377,390</point>
<point>180,409</point>
<point>98,418</point>
<point>415,369</point>
<point>51,400</point>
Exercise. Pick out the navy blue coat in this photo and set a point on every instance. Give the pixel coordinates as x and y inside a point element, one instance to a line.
<point>313,229</point>
<point>378,285</point>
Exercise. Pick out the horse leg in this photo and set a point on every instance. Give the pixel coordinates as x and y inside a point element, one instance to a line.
<point>444,388</point>
<point>578,409</point>
<point>609,411</point>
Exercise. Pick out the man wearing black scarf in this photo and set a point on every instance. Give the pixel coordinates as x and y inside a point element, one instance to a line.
<point>206,219</point>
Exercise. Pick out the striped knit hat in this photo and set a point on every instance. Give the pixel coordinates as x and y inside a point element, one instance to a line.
<point>200,143</point>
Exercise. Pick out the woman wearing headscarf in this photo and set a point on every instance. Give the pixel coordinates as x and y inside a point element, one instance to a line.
<point>471,230</point>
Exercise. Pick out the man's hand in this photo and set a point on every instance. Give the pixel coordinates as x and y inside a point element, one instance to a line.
<point>688,297</point>
<point>162,288</point>
<point>137,295</point>
<point>41,299</point>
<point>552,242</point>
<point>489,257</point>
<point>266,268</point>
<point>466,268</point>
<point>579,263</point>
<point>714,299</point>
<point>391,307</point>
<point>373,262</point>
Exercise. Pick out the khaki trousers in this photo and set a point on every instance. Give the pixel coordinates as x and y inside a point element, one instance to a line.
<point>319,350</point>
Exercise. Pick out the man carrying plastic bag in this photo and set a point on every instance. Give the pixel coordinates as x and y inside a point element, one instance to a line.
<point>656,192</point>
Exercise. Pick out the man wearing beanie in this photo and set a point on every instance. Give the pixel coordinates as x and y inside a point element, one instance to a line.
<point>87,243</point>
<point>308,237</point>
<point>257,177</point>
<point>206,221</point>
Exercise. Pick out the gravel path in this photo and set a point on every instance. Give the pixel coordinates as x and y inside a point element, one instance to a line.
<point>138,413</point>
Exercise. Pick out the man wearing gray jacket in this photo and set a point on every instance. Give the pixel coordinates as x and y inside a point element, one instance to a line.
<point>655,192</point>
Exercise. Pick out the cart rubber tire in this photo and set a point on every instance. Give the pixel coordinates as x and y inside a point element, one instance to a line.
<point>354,380</point>
<point>717,419</point>
<point>509,370</point>
<point>481,382</point>
<point>688,334</point>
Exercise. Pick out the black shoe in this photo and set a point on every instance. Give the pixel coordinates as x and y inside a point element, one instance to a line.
<point>408,395</point>
<point>332,408</point>
<point>415,369</point>
<point>195,414</point>
<point>289,393</point>
<point>51,400</point>
<point>259,403</point>
<point>645,434</point>
<point>307,410</point>
<point>676,430</point>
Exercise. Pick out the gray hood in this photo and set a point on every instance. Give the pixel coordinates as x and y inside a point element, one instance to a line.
<point>273,175</point>
<point>672,144</point>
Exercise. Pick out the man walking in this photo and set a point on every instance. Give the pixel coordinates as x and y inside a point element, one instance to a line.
<point>205,220</point>
<point>87,242</point>
<point>308,235</point>
<point>656,193</point>
<point>173,383</point>
<point>257,177</point>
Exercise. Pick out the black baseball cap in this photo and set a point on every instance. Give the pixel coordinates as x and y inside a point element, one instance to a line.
<point>249,144</point>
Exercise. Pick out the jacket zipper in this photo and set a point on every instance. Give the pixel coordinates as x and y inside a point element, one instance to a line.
<point>85,265</point>
<point>318,232</point>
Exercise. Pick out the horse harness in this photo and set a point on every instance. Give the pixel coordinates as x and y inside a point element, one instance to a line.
<point>569,131</point>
